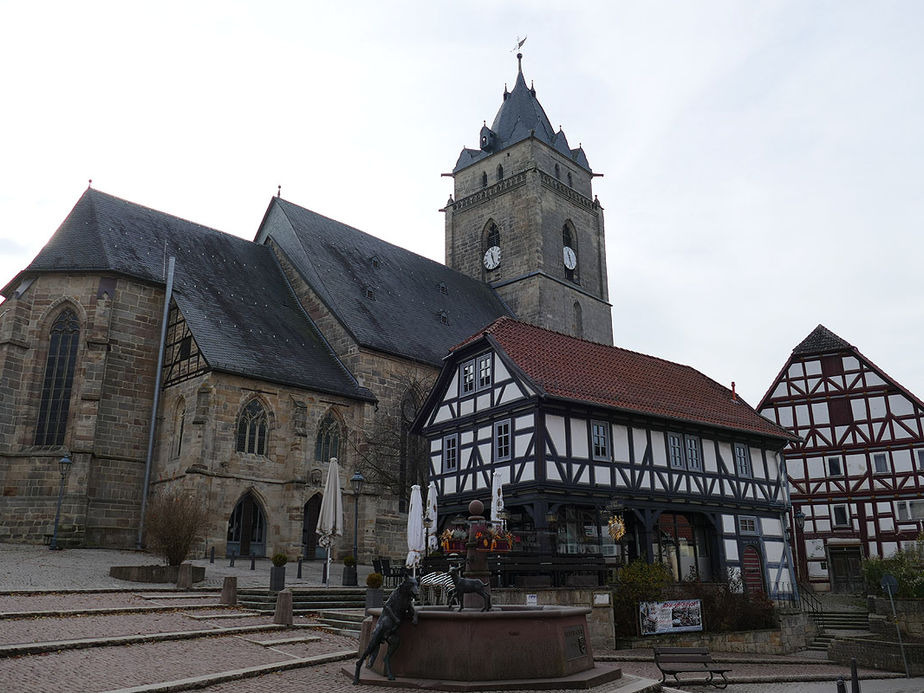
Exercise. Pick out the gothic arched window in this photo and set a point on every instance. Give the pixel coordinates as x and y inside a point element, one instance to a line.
<point>179,424</point>
<point>59,379</point>
<point>252,427</point>
<point>557,172</point>
<point>500,172</point>
<point>493,236</point>
<point>484,179</point>
<point>327,444</point>
<point>577,321</point>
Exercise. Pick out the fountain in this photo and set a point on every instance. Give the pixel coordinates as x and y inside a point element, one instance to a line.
<point>506,648</point>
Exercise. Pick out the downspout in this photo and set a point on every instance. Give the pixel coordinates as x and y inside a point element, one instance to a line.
<point>157,380</point>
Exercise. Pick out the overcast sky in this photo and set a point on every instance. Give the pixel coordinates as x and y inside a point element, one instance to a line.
<point>763,161</point>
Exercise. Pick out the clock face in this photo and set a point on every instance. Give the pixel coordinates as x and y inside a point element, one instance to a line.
<point>492,257</point>
<point>569,257</point>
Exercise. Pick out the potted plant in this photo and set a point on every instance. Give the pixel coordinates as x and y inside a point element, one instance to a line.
<point>453,540</point>
<point>374,596</point>
<point>349,571</point>
<point>278,572</point>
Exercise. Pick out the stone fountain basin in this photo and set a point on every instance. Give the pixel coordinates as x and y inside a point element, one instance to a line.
<point>508,642</point>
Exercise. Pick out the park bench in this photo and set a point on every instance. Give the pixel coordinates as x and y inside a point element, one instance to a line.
<point>694,660</point>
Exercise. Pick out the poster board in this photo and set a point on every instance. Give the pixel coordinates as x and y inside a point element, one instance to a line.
<point>677,616</point>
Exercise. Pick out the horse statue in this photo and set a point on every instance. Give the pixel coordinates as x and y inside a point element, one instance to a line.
<point>398,608</point>
<point>462,586</point>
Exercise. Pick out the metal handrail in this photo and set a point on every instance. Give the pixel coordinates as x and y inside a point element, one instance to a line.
<point>808,600</point>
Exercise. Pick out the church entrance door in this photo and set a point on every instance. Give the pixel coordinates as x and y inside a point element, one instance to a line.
<point>247,528</point>
<point>310,546</point>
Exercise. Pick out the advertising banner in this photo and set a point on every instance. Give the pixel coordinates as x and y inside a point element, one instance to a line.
<point>670,617</point>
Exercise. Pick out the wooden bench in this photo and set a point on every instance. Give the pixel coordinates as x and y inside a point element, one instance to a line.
<point>692,660</point>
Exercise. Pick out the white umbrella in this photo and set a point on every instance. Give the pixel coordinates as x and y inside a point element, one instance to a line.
<point>415,530</point>
<point>497,497</point>
<point>330,518</point>
<point>431,515</point>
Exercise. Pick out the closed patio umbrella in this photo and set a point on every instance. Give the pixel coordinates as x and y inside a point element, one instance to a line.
<point>431,515</point>
<point>415,530</point>
<point>330,518</point>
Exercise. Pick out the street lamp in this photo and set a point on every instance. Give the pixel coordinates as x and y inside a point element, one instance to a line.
<point>356,481</point>
<point>800,519</point>
<point>64,466</point>
<point>428,523</point>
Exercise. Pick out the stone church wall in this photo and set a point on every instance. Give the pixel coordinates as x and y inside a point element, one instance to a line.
<point>109,407</point>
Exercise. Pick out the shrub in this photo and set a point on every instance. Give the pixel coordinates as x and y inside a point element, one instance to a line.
<point>280,559</point>
<point>726,607</point>
<point>637,582</point>
<point>374,580</point>
<point>349,561</point>
<point>903,565</point>
<point>173,522</point>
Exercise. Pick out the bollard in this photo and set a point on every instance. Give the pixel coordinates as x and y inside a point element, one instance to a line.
<point>854,679</point>
<point>184,577</point>
<point>841,686</point>
<point>283,613</point>
<point>231,564</point>
<point>253,562</point>
<point>299,576</point>
<point>212,555</point>
<point>229,591</point>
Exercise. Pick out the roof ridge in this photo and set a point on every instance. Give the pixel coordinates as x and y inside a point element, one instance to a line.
<point>165,214</point>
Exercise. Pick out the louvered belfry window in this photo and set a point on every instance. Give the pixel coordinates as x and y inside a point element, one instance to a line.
<point>59,379</point>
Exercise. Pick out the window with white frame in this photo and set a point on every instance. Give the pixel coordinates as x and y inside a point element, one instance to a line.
<point>450,453</point>
<point>834,467</point>
<point>880,463</point>
<point>484,371</point>
<point>600,438</point>
<point>502,440</point>
<point>467,377</point>
<point>920,460</point>
<point>747,524</point>
<point>840,516</point>
<point>902,510</point>
<point>742,460</point>
<point>909,510</point>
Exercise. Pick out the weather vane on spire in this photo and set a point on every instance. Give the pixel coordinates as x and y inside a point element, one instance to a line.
<point>520,43</point>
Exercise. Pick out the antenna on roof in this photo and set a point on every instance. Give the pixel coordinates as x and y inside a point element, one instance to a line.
<point>278,191</point>
<point>89,183</point>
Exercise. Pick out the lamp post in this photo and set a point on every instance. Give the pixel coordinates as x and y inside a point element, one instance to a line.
<point>356,481</point>
<point>799,518</point>
<point>64,466</point>
<point>427,523</point>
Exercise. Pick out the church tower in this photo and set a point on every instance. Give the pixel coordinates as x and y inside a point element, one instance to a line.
<point>523,218</point>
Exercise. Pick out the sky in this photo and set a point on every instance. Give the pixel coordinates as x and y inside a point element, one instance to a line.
<point>763,162</point>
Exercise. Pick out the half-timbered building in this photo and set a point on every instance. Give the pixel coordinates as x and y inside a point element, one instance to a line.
<point>573,426</point>
<point>856,462</point>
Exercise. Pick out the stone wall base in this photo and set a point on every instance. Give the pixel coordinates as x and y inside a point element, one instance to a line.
<point>153,573</point>
<point>878,654</point>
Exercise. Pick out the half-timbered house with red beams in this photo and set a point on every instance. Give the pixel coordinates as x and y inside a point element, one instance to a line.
<point>856,472</point>
<point>574,427</point>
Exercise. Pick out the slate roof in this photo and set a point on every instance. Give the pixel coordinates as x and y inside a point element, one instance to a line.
<point>404,317</point>
<point>231,291</point>
<point>573,369</point>
<point>519,117</point>
<point>821,341</point>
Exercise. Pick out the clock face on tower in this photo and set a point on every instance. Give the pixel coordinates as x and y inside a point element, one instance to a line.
<point>492,257</point>
<point>569,257</point>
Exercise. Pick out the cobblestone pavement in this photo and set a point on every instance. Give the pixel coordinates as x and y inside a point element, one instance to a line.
<point>103,668</point>
<point>28,567</point>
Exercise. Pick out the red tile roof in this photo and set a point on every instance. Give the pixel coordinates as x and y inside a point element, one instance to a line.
<point>575,369</point>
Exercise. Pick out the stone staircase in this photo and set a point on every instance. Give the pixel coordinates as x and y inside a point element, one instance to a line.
<point>833,623</point>
<point>339,610</point>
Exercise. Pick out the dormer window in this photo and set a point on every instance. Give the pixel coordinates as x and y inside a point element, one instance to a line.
<point>369,293</point>
<point>374,261</point>
<point>443,288</point>
<point>444,317</point>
